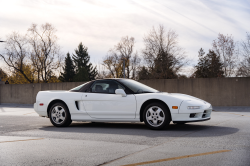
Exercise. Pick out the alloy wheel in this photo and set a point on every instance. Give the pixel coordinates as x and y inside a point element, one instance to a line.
<point>58,114</point>
<point>155,116</point>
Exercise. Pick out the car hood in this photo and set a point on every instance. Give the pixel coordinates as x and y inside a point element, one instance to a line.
<point>186,97</point>
<point>56,91</point>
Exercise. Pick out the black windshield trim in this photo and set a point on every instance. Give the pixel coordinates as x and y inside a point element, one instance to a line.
<point>84,88</point>
<point>127,90</point>
<point>132,92</point>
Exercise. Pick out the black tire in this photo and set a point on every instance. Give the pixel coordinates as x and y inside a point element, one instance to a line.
<point>162,124</point>
<point>66,115</point>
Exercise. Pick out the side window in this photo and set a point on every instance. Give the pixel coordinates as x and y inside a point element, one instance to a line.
<point>100,87</point>
<point>106,86</point>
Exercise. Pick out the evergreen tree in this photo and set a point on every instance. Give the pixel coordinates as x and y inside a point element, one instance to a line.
<point>144,74</point>
<point>182,76</point>
<point>82,75</point>
<point>202,69</point>
<point>216,66</point>
<point>209,66</point>
<point>68,70</point>
<point>81,60</point>
<point>164,66</point>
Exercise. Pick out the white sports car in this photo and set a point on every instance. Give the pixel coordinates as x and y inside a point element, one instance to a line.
<point>120,100</point>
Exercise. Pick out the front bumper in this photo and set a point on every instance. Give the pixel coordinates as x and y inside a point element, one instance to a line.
<point>200,120</point>
<point>193,115</point>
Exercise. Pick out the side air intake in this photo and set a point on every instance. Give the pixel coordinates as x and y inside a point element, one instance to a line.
<point>77,105</point>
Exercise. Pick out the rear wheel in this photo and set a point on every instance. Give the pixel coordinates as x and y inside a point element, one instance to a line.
<point>59,115</point>
<point>156,116</point>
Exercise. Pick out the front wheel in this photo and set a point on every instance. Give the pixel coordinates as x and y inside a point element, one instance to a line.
<point>156,116</point>
<point>59,115</point>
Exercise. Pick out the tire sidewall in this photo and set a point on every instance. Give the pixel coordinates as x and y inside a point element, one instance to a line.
<point>67,120</point>
<point>166,112</point>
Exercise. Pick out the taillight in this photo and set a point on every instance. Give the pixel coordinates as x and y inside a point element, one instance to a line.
<point>41,104</point>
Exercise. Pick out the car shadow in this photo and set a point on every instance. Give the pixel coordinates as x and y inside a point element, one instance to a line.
<point>140,129</point>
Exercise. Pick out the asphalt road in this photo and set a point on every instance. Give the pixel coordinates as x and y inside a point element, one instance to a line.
<point>26,139</point>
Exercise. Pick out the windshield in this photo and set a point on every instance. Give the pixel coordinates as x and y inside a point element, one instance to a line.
<point>79,87</point>
<point>137,87</point>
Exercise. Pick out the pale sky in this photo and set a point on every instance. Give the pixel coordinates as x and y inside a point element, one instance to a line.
<point>100,24</point>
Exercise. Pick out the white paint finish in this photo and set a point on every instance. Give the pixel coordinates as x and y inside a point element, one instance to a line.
<point>120,92</point>
<point>108,106</point>
<point>186,117</point>
<point>69,98</point>
<point>164,97</point>
<point>203,106</point>
<point>115,108</point>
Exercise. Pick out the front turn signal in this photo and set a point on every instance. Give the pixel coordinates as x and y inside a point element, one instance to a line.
<point>175,107</point>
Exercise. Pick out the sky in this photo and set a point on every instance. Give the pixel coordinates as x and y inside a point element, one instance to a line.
<point>100,24</point>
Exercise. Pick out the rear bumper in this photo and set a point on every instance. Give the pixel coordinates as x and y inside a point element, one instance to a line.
<point>40,112</point>
<point>35,107</point>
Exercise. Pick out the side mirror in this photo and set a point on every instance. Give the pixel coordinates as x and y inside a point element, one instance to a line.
<point>120,92</point>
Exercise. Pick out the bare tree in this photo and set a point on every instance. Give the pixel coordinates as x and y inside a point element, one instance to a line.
<point>3,75</point>
<point>244,66</point>
<point>45,52</point>
<point>17,52</point>
<point>163,53</point>
<point>124,50</point>
<point>225,47</point>
<point>135,66</point>
<point>102,72</point>
<point>113,63</point>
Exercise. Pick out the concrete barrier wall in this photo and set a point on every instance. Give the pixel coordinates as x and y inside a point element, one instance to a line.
<point>217,91</point>
<point>26,93</point>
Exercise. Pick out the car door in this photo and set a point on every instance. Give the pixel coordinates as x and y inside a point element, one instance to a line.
<point>102,102</point>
